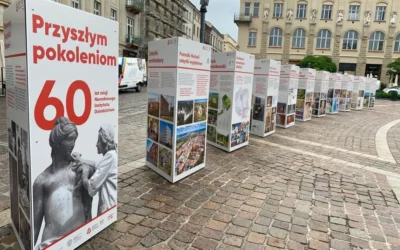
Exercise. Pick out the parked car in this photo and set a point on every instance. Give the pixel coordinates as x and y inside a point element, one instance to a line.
<point>132,73</point>
<point>389,90</point>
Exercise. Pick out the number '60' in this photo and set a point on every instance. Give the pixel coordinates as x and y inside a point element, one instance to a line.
<point>45,100</point>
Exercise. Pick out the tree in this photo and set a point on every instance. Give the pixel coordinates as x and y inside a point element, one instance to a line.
<point>393,69</point>
<point>318,63</point>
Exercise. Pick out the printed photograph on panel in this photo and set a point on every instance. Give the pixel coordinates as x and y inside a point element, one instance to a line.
<point>190,146</point>
<point>291,109</point>
<point>211,133</point>
<point>223,139</point>
<point>269,121</point>
<point>300,114</point>
<point>301,94</point>
<point>75,180</point>
<point>269,101</point>
<point>226,104</point>
<point>323,96</point>
<point>212,117</point>
<point>167,106</point>
<point>330,93</point>
<point>185,112</point>
<point>338,93</point>
<point>12,137</point>
<point>361,93</point>
<point>213,100</point>
<point>200,110</point>
<point>282,108</point>
<point>281,119</point>
<point>371,102</point>
<point>25,231</point>
<point>335,105</point>
<point>322,110</point>
<point>153,103</point>
<point>329,105</point>
<point>23,171</point>
<point>165,160</point>
<point>366,101</point>
<point>14,190</point>
<point>240,133</point>
<point>299,104</point>
<point>166,133</point>
<point>307,110</point>
<point>289,120</point>
<point>152,152</point>
<point>153,128</point>
<point>258,108</point>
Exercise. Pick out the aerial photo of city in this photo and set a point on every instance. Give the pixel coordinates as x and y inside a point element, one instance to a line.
<point>190,146</point>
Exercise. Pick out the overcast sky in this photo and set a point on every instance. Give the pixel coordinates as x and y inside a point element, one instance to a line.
<point>220,14</point>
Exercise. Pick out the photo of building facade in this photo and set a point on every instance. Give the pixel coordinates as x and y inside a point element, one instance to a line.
<point>362,37</point>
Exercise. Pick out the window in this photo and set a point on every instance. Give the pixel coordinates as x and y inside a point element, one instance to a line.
<point>397,44</point>
<point>252,38</point>
<point>198,31</point>
<point>247,9</point>
<point>326,12</point>
<point>324,39</point>
<point>76,4</point>
<point>190,32</point>
<point>350,40</point>
<point>380,13</point>
<point>301,11</point>
<point>299,38</point>
<point>97,8</point>
<point>256,9</point>
<point>354,12</point>
<point>275,38</point>
<point>130,26</point>
<point>376,41</point>
<point>113,15</point>
<point>278,9</point>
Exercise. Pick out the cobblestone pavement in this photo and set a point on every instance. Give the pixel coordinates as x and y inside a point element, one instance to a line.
<point>323,184</point>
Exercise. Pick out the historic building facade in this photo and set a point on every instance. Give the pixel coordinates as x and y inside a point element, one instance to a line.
<point>361,36</point>
<point>229,43</point>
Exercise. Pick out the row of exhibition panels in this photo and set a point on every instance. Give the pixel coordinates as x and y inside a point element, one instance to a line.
<point>244,96</point>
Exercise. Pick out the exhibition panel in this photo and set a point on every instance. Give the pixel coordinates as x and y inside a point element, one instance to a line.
<point>230,100</point>
<point>265,97</point>
<point>305,94</point>
<point>320,91</point>
<point>286,109</point>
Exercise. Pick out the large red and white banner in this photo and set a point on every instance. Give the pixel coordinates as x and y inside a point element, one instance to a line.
<point>62,110</point>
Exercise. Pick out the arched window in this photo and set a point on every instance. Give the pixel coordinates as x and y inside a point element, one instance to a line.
<point>299,38</point>
<point>397,44</point>
<point>324,39</point>
<point>376,41</point>
<point>275,38</point>
<point>350,40</point>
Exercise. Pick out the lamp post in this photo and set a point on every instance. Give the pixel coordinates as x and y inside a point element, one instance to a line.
<point>203,11</point>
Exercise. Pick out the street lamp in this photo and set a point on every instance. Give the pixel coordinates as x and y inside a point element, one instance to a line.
<point>203,11</point>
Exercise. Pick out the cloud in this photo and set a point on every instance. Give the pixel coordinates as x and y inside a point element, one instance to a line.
<point>220,13</point>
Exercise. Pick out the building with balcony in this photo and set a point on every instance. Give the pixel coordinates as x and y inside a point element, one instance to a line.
<point>164,18</point>
<point>213,37</point>
<point>229,43</point>
<point>131,25</point>
<point>361,37</point>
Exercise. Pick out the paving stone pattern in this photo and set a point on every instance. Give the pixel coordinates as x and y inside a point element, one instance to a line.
<point>259,197</point>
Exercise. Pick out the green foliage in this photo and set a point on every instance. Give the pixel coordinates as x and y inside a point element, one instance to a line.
<point>387,95</point>
<point>383,86</point>
<point>394,67</point>
<point>318,63</point>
